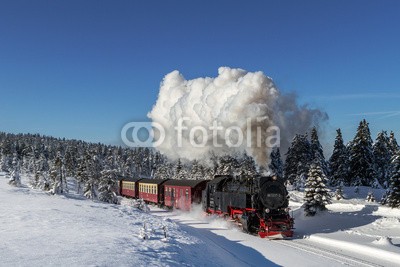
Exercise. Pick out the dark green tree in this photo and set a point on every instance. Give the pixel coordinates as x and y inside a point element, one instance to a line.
<point>317,152</point>
<point>298,160</point>
<point>361,157</point>
<point>276,164</point>
<point>382,155</point>
<point>393,195</point>
<point>339,162</point>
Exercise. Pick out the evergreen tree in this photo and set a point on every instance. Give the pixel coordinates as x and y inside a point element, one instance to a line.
<point>108,185</point>
<point>197,171</point>
<point>164,171</point>
<point>339,162</point>
<point>393,146</point>
<point>94,168</point>
<point>393,196</point>
<point>316,193</point>
<point>276,165</point>
<point>58,184</point>
<point>298,160</point>
<point>71,160</point>
<point>382,155</point>
<point>227,165</point>
<point>248,168</point>
<point>180,173</point>
<point>361,157</point>
<point>15,178</point>
<point>82,173</point>
<point>317,152</point>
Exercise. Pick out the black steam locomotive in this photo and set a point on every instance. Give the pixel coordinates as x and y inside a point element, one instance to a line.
<point>259,204</point>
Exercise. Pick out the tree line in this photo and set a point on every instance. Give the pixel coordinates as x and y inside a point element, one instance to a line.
<point>96,167</point>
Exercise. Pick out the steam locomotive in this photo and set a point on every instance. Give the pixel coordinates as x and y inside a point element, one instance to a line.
<point>259,204</point>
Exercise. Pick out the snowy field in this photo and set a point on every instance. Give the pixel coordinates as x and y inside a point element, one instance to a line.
<point>38,229</point>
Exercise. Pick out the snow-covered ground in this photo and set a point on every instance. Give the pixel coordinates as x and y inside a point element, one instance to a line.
<point>38,229</point>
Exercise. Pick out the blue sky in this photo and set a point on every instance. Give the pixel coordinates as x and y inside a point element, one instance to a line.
<point>82,69</point>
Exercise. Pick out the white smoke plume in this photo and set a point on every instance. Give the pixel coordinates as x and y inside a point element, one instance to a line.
<point>236,98</point>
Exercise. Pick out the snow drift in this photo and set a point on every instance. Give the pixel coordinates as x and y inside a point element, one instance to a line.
<point>249,111</point>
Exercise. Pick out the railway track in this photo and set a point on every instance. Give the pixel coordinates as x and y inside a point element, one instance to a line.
<point>326,253</point>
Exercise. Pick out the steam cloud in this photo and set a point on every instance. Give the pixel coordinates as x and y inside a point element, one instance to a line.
<point>233,98</point>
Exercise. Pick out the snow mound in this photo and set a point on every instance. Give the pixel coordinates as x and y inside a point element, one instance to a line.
<point>383,241</point>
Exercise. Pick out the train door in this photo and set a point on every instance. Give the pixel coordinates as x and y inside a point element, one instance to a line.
<point>173,197</point>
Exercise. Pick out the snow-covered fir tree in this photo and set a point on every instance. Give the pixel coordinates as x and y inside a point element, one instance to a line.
<point>393,145</point>
<point>94,168</point>
<point>41,177</point>
<point>108,185</point>
<point>245,167</point>
<point>361,157</point>
<point>339,162</point>
<point>316,194</point>
<point>317,152</point>
<point>71,161</point>
<point>179,171</point>
<point>298,161</point>
<point>227,165</point>
<point>393,195</point>
<point>82,173</point>
<point>382,155</point>
<point>15,178</point>
<point>164,170</point>
<point>197,171</point>
<point>57,174</point>
<point>276,164</point>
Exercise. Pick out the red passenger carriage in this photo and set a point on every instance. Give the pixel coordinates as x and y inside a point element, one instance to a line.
<point>181,194</point>
<point>152,190</point>
<point>129,186</point>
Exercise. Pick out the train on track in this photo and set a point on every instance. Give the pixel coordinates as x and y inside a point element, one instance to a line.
<point>258,204</point>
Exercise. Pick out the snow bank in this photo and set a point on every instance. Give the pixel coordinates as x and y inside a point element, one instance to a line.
<point>358,248</point>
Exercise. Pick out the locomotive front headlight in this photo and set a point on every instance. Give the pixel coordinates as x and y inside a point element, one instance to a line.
<point>287,209</point>
<point>267,210</point>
